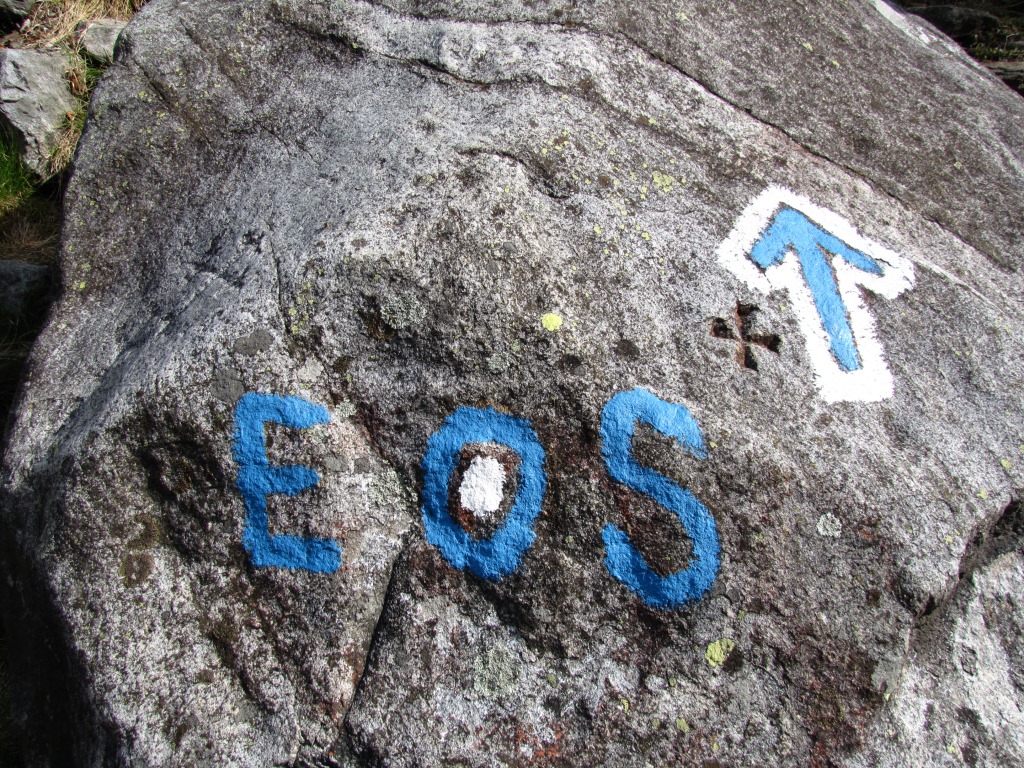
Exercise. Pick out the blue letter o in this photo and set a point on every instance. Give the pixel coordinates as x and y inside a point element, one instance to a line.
<point>501,554</point>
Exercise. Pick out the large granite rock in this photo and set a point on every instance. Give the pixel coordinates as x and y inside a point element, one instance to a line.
<point>649,378</point>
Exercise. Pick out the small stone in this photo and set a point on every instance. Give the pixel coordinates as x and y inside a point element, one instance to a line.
<point>99,38</point>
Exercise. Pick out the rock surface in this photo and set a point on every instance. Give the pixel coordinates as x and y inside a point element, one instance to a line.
<point>1010,72</point>
<point>34,101</point>
<point>98,38</point>
<point>17,9</point>
<point>959,23</point>
<point>22,287</point>
<point>526,227</point>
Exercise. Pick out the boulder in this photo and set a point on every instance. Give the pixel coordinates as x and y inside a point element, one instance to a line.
<point>34,101</point>
<point>23,288</point>
<point>473,383</point>
<point>962,24</point>
<point>1010,72</point>
<point>16,9</point>
<point>99,37</point>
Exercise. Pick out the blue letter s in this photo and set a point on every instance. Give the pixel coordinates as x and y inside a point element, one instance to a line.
<point>618,422</point>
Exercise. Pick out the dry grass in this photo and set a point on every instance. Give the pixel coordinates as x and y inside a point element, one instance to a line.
<point>74,123</point>
<point>53,23</point>
<point>29,232</point>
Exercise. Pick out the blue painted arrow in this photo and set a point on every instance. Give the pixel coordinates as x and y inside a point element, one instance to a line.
<point>791,230</point>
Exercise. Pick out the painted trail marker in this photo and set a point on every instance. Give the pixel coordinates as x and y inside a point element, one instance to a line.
<point>783,241</point>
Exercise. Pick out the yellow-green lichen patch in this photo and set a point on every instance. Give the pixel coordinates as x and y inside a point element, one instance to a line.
<point>663,181</point>
<point>552,322</point>
<point>719,651</point>
<point>496,672</point>
<point>983,494</point>
<point>681,725</point>
<point>1007,464</point>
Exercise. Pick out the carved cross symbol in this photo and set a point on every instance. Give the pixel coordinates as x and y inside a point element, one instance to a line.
<point>743,320</point>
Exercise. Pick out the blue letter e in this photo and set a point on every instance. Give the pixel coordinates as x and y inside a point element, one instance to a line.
<point>618,422</point>
<point>257,480</point>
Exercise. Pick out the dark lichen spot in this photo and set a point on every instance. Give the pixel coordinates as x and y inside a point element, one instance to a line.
<point>149,536</point>
<point>341,364</point>
<point>136,568</point>
<point>626,348</point>
<point>571,363</point>
<point>375,325</point>
<point>227,385</point>
<point>256,342</point>
<point>734,661</point>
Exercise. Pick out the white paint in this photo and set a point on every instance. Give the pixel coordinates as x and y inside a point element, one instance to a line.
<point>873,381</point>
<point>482,487</point>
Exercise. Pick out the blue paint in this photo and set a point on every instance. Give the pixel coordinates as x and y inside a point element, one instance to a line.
<point>501,554</point>
<point>618,423</point>
<point>257,480</point>
<point>791,230</point>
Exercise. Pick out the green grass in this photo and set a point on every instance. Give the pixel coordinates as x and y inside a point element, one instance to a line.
<point>16,181</point>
